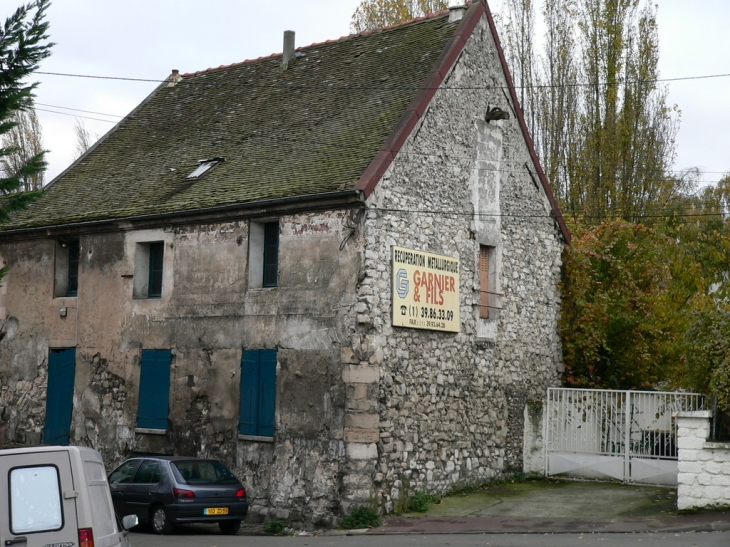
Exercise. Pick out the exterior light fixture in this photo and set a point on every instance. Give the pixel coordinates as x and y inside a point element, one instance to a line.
<point>496,113</point>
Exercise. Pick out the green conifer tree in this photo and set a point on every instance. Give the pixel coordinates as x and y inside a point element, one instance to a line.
<point>23,45</point>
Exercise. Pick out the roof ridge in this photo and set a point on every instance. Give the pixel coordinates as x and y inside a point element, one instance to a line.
<point>367,32</point>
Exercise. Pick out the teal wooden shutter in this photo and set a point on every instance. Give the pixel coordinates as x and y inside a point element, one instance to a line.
<point>154,389</point>
<point>248,416</point>
<point>258,393</point>
<point>59,396</point>
<point>267,392</point>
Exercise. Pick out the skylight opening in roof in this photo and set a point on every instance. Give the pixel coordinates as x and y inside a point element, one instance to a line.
<point>204,167</point>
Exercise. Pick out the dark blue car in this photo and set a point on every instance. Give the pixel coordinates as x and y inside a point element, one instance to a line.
<point>167,490</point>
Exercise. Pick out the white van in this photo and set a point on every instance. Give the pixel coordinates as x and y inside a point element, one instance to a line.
<point>59,496</point>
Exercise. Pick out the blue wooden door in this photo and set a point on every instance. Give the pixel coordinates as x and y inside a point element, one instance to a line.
<point>59,396</point>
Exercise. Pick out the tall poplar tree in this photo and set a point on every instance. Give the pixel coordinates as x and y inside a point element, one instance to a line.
<point>603,128</point>
<point>24,141</point>
<point>372,14</point>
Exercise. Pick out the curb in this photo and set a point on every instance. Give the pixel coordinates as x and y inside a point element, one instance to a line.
<point>547,526</point>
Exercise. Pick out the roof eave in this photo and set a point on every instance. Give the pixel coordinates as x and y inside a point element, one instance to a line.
<point>418,105</point>
<point>272,207</point>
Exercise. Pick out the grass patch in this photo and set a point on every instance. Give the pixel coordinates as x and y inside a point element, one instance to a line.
<point>361,517</point>
<point>517,478</point>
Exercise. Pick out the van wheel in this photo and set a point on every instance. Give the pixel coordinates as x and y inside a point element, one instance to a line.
<point>230,527</point>
<point>161,523</point>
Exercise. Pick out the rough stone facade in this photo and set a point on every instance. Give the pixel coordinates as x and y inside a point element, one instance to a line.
<point>207,315</point>
<point>450,406</point>
<point>366,412</point>
<point>704,467</point>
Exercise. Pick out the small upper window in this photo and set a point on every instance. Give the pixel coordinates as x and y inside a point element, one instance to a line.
<point>271,254</point>
<point>204,167</point>
<point>73,268</point>
<point>66,277</point>
<point>157,251</point>
<point>148,269</point>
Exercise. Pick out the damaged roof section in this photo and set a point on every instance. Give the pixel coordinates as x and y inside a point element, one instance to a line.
<point>312,128</point>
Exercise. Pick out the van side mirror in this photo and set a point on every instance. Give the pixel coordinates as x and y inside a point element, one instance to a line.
<point>130,521</point>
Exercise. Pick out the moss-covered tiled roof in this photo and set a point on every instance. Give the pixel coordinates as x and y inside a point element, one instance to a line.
<point>311,129</point>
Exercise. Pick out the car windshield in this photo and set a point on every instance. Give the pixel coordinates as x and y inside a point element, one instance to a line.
<point>203,472</point>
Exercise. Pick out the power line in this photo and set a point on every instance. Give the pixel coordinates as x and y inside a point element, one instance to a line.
<point>74,115</point>
<point>79,110</point>
<point>464,160</point>
<point>392,88</point>
<point>472,214</point>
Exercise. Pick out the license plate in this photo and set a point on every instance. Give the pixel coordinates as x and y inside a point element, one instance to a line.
<point>215,511</point>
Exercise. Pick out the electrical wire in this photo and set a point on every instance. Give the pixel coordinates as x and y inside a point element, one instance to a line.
<point>390,88</point>
<point>79,110</point>
<point>74,115</point>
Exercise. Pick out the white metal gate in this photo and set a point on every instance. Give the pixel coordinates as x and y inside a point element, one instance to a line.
<point>604,434</point>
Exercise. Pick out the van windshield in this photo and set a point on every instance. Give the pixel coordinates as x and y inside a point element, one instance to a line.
<point>203,472</point>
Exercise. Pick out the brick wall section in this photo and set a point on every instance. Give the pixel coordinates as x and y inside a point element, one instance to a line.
<point>704,467</point>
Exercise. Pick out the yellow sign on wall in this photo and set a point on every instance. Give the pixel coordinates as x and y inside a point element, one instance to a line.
<point>425,290</point>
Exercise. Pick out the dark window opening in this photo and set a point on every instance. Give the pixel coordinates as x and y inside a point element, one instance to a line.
<point>74,253</point>
<point>271,254</point>
<point>157,251</point>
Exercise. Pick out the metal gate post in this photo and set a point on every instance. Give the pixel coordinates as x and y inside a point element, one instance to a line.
<point>627,436</point>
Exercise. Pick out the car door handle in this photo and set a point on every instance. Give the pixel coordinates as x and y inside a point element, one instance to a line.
<point>15,541</point>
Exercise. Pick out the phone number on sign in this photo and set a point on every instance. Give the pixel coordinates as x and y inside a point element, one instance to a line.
<point>436,313</point>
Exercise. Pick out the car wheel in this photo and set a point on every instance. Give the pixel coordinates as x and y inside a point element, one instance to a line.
<point>160,520</point>
<point>230,527</point>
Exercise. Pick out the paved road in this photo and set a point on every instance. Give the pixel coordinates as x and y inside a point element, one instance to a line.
<point>183,539</point>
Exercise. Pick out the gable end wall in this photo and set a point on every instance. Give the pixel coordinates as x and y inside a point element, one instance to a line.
<point>450,405</point>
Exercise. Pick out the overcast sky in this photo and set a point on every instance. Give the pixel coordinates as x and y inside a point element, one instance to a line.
<point>146,39</point>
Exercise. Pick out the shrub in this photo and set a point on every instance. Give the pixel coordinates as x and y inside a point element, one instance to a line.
<point>361,517</point>
<point>420,502</point>
<point>275,527</point>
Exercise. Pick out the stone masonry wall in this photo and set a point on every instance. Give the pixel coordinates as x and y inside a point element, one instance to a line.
<point>704,467</point>
<point>207,316</point>
<point>449,406</point>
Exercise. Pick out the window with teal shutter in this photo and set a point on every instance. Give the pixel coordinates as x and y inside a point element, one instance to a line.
<point>154,389</point>
<point>258,393</point>
<point>74,253</point>
<point>157,251</point>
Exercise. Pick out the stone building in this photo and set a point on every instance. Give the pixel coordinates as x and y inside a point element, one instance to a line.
<point>333,269</point>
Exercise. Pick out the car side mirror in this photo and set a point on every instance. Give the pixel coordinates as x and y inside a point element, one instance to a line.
<point>130,521</point>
